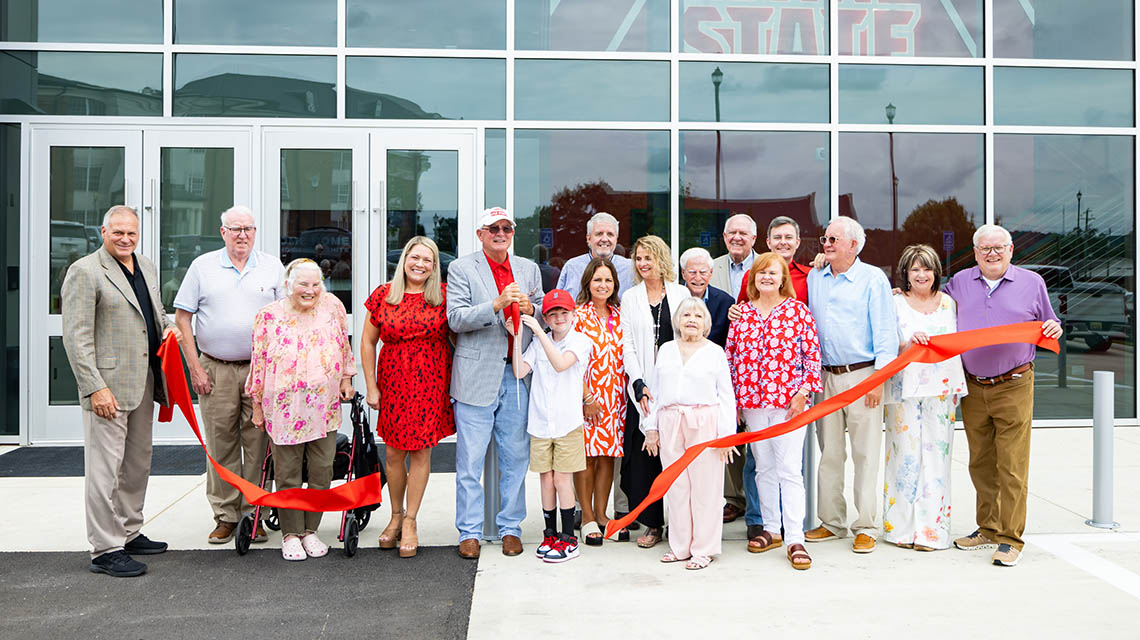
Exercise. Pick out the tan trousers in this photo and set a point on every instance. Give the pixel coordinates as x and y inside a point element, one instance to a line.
<point>998,420</point>
<point>287,474</point>
<point>864,428</point>
<point>116,459</point>
<point>734,483</point>
<point>230,436</point>
<point>694,501</point>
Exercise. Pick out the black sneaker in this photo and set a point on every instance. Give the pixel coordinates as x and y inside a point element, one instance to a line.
<point>144,546</point>
<point>118,564</point>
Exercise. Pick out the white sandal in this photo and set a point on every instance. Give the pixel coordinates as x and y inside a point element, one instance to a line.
<point>313,546</point>
<point>292,549</point>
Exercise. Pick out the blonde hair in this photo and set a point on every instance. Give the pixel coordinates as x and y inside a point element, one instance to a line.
<point>301,264</point>
<point>763,261</point>
<point>433,293</point>
<point>692,301</point>
<point>659,251</point>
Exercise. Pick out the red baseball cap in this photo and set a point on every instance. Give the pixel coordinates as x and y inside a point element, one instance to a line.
<point>557,299</point>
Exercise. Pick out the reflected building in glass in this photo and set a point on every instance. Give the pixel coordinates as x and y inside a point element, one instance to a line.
<point>350,127</point>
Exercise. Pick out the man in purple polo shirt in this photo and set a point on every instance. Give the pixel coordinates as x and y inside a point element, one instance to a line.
<point>998,411</point>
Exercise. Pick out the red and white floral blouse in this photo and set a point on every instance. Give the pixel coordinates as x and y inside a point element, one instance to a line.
<point>772,358</point>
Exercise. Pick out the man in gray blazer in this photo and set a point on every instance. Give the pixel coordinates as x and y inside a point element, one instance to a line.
<point>113,323</point>
<point>489,400</point>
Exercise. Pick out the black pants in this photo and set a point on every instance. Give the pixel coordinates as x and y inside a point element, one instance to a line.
<point>639,470</point>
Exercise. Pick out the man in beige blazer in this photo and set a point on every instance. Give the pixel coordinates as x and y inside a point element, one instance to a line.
<point>113,322</point>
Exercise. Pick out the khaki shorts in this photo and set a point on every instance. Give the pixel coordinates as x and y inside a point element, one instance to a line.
<point>566,454</point>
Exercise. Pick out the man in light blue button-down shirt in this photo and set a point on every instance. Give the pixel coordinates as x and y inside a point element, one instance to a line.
<point>858,333</point>
<point>601,240</point>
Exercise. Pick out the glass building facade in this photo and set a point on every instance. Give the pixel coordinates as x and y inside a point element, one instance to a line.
<point>350,126</point>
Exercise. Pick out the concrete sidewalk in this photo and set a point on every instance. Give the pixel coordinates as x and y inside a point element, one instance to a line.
<point>1073,580</point>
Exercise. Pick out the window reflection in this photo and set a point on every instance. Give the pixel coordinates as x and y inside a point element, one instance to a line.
<point>254,85</point>
<point>754,92</point>
<point>564,177</point>
<point>81,84</point>
<point>938,198</point>
<point>911,28</point>
<point>423,200</point>
<point>427,24</point>
<point>795,183</point>
<point>592,25</point>
<point>316,214</point>
<point>10,306</point>
<point>591,90</point>
<point>1069,202</point>
<point>255,22</point>
<point>920,94</point>
<point>1085,30</point>
<point>1076,97</point>
<point>762,26</point>
<point>124,21</point>
<point>426,88</point>
<point>495,168</point>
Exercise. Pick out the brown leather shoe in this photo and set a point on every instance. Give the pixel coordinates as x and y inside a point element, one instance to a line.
<point>863,544</point>
<point>469,549</point>
<point>512,546</point>
<point>819,534</point>
<point>222,533</point>
<point>731,512</point>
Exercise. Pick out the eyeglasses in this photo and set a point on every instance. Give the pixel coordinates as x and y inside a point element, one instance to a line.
<point>504,229</point>
<point>237,231</point>
<point>985,251</point>
<point>827,239</point>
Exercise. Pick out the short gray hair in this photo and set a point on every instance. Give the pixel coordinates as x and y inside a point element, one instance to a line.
<point>987,229</point>
<point>601,216</point>
<point>695,252</point>
<point>853,230</point>
<point>117,209</point>
<point>237,209</point>
<point>780,221</point>
<point>751,221</point>
<point>295,267</point>
<point>691,301</point>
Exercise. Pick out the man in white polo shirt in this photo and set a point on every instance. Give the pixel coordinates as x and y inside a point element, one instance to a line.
<point>222,292</point>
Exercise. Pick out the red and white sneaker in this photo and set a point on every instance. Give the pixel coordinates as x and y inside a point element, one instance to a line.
<point>565,548</point>
<point>549,537</point>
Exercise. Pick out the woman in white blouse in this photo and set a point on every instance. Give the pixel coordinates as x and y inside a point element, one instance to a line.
<point>694,403</point>
<point>646,314</point>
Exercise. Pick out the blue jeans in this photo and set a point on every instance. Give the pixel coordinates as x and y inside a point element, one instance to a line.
<point>751,493</point>
<point>505,418</point>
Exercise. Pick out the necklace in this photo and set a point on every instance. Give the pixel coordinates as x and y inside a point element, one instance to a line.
<point>657,327</point>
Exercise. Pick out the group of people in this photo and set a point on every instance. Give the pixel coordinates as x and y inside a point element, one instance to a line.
<point>636,368</point>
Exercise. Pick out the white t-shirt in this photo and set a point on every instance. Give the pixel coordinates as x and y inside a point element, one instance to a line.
<point>556,398</point>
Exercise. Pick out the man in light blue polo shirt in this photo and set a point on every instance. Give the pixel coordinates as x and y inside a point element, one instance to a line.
<point>222,292</point>
<point>858,333</point>
<point>601,239</point>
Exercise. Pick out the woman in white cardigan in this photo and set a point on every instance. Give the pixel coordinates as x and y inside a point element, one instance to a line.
<point>647,310</point>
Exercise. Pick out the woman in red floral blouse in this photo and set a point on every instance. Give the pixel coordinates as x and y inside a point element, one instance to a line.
<point>773,353</point>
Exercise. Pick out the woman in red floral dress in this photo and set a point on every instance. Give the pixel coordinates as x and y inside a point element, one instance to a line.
<point>410,385</point>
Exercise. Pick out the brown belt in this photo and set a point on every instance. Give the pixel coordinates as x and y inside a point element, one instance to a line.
<point>1012,374</point>
<point>847,368</point>
<point>240,363</point>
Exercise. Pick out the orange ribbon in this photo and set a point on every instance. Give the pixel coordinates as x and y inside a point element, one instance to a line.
<point>941,348</point>
<point>350,495</point>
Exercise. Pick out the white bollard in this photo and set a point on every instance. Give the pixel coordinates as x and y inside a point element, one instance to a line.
<point>491,498</point>
<point>1103,422</point>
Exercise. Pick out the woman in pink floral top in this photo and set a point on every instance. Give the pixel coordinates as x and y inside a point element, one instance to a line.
<point>301,368</point>
<point>773,354</point>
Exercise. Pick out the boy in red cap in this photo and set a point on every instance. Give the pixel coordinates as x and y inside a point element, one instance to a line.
<point>554,418</point>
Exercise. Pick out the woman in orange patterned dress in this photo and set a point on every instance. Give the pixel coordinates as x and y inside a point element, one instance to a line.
<point>604,394</point>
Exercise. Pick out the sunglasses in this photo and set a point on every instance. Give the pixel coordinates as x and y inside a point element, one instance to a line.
<point>504,229</point>
<point>827,239</point>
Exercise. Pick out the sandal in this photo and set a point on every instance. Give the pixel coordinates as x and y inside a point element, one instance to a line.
<point>799,557</point>
<point>904,545</point>
<point>391,533</point>
<point>766,541</point>
<point>411,539</point>
<point>698,562</point>
<point>922,547</point>
<point>592,533</point>
<point>650,539</point>
<point>313,546</point>
<point>671,557</point>
<point>292,550</point>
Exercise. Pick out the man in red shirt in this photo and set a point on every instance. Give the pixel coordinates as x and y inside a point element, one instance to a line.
<point>784,240</point>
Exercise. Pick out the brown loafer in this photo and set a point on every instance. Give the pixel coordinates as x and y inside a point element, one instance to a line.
<point>469,549</point>
<point>819,534</point>
<point>863,544</point>
<point>222,533</point>
<point>731,512</point>
<point>512,546</point>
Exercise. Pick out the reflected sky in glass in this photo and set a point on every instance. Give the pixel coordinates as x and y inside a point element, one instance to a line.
<point>1076,97</point>
<point>1075,29</point>
<point>755,92</point>
<point>764,27</point>
<point>427,24</point>
<point>255,22</point>
<point>124,21</point>
<point>495,168</point>
<point>73,83</point>
<point>591,90</point>
<point>592,25</point>
<point>451,88</point>
<point>951,28</point>
<point>921,94</point>
<point>254,85</point>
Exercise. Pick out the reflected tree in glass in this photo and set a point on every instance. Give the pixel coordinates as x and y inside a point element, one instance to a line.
<point>423,200</point>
